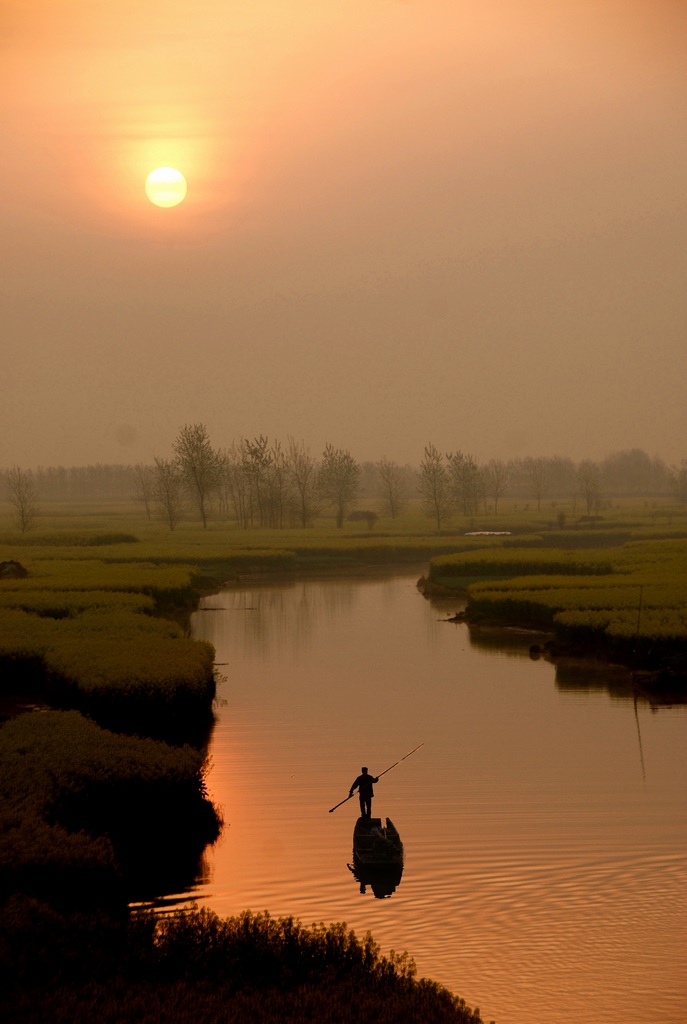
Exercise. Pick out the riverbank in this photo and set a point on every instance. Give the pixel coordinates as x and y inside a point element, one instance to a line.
<point>624,605</point>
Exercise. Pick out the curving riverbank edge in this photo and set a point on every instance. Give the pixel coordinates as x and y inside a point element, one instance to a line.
<point>658,672</point>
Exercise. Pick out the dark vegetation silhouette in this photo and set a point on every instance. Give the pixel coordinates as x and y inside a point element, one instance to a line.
<point>194,966</point>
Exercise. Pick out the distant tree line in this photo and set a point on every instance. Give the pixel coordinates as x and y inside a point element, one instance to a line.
<point>455,483</point>
<point>266,483</point>
<point>256,482</point>
<point>98,482</point>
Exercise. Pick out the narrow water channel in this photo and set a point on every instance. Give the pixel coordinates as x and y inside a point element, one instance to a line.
<point>544,820</point>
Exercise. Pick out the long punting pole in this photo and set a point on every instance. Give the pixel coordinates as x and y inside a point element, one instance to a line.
<point>380,774</point>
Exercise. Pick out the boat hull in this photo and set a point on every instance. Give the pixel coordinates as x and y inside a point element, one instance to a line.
<point>376,843</point>
<point>377,856</point>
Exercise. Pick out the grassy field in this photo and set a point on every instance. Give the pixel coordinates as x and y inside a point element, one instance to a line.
<point>88,621</point>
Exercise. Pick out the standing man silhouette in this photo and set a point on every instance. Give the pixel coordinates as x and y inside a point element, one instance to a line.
<point>364,786</point>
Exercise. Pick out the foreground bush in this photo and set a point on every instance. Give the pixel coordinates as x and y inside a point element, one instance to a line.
<point>193,966</point>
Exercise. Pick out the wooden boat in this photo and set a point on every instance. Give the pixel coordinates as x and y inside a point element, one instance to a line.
<point>376,844</point>
<point>377,856</point>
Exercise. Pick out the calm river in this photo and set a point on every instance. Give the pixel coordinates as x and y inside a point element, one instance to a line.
<point>544,819</point>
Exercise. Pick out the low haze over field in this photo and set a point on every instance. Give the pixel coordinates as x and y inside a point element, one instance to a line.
<point>433,220</point>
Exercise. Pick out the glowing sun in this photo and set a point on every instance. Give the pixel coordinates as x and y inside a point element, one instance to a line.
<point>166,186</point>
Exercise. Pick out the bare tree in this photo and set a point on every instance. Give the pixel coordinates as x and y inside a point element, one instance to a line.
<point>589,485</point>
<point>264,467</point>
<point>223,483</point>
<point>302,470</point>
<point>234,485</point>
<point>255,460</point>
<point>278,487</point>
<point>393,482</point>
<point>537,478</point>
<point>435,486</point>
<point>143,486</point>
<point>200,465</point>
<point>23,496</point>
<point>338,480</point>
<point>466,482</point>
<point>255,478</point>
<point>496,481</point>
<point>168,491</point>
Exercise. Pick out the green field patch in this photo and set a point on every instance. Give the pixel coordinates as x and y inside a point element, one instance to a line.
<point>58,604</point>
<point>645,625</point>
<point>639,610</point>
<point>161,581</point>
<point>519,562</point>
<point>128,671</point>
<point>31,628</point>
<point>132,660</point>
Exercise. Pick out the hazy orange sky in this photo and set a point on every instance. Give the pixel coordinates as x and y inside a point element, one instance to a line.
<point>457,221</point>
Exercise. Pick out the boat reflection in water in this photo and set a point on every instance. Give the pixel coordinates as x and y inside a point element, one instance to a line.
<point>377,856</point>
